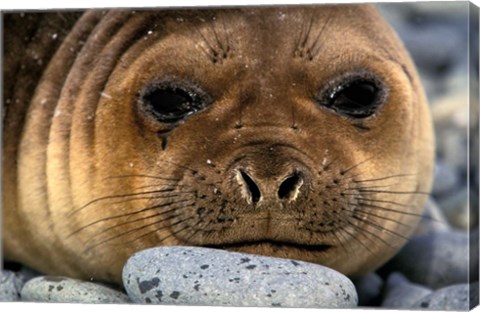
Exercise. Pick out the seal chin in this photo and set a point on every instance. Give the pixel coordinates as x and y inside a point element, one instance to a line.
<point>278,249</point>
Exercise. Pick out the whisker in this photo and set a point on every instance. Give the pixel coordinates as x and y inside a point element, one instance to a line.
<point>313,50</point>
<point>217,39</point>
<point>392,210</point>
<point>370,187</point>
<point>379,227</point>
<point>342,244</point>
<point>307,34</point>
<point>158,185</point>
<point>386,178</point>
<point>213,54</point>
<point>179,166</point>
<point>173,195</point>
<point>226,35</point>
<point>133,231</point>
<point>158,229</point>
<point>197,230</point>
<point>381,217</point>
<point>146,218</point>
<point>361,230</point>
<point>128,214</point>
<point>383,201</point>
<point>343,172</point>
<point>141,176</point>
<point>299,38</point>
<point>347,178</point>
<point>118,196</point>
<point>357,239</point>
<point>394,192</point>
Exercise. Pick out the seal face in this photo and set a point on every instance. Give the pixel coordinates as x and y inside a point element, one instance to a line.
<point>298,132</point>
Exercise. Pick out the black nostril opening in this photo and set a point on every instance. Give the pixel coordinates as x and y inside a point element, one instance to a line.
<point>289,186</point>
<point>252,187</point>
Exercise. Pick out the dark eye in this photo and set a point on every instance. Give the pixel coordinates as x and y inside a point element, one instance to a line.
<point>355,97</point>
<point>169,103</point>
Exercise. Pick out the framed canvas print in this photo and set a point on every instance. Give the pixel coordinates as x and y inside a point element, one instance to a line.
<point>294,155</point>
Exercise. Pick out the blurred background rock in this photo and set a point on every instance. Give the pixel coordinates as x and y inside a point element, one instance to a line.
<point>437,36</point>
<point>438,267</point>
<point>442,256</point>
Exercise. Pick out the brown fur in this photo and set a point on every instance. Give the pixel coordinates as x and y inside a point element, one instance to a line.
<point>76,145</point>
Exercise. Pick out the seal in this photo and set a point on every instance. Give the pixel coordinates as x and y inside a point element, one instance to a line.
<point>299,132</point>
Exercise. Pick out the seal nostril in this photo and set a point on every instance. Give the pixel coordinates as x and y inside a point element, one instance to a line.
<point>252,187</point>
<point>290,186</point>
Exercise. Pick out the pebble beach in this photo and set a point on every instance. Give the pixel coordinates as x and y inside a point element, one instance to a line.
<point>436,270</point>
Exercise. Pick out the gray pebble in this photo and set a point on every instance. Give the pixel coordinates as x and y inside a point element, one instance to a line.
<point>401,294</point>
<point>25,274</point>
<point>455,297</point>
<point>432,220</point>
<point>474,255</point>
<point>62,289</point>
<point>423,31</point>
<point>445,179</point>
<point>9,286</point>
<point>435,260</point>
<point>203,276</point>
<point>455,208</point>
<point>369,289</point>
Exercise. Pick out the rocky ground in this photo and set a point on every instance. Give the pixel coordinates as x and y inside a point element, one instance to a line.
<point>437,269</point>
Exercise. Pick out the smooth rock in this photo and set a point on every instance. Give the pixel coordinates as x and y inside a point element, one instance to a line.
<point>400,293</point>
<point>456,209</point>
<point>25,274</point>
<point>435,260</point>
<point>432,220</point>
<point>423,31</point>
<point>455,297</point>
<point>9,285</point>
<point>369,289</point>
<point>445,179</point>
<point>453,144</point>
<point>203,276</point>
<point>474,255</point>
<point>62,289</point>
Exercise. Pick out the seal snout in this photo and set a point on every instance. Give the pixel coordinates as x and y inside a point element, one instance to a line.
<point>276,188</point>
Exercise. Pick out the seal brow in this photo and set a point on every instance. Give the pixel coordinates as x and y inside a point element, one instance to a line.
<point>303,38</point>
<point>216,55</point>
<point>302,46</point>
<point>313,51</point>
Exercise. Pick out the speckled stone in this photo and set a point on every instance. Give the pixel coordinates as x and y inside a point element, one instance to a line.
<point>203,276</point>
<point>455,297</point>
<point>62,289</point>
<point>9,286</point>
<point>400,293</point>
<point>434,260</point>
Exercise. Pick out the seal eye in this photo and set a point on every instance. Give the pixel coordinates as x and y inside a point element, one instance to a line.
<point>170,103</point>
<point>354,97</point>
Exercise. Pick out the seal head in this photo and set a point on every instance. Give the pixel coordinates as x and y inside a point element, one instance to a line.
<point>299,132</point>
